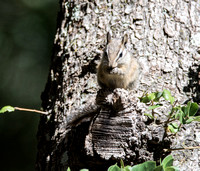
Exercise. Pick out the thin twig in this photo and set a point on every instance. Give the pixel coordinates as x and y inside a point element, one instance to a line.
<point>31,110</point>
<point>171,113</point>
<point>184,148</point>
<point>153,114</point>
<point>168,120</point>
<point>172,120</point>
<point>178,128</point>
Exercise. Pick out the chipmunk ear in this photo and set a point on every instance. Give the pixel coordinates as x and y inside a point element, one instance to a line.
<point>125,39</point>
<point>108,37</point>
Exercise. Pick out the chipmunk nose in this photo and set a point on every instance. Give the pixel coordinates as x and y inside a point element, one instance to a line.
<point>110,68</point>
<point>113,65</point>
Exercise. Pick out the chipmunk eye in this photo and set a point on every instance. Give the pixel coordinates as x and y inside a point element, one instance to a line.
<point>120,55</point>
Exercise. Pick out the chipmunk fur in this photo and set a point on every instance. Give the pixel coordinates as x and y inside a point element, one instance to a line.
<point>118,67</point>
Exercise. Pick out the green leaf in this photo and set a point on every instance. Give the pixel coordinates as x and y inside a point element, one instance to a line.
<point>167,96</point>
<point>158,96</point>
<point>154,106</point>
<point>173,127</point>
<point>191,109</point>
<point>149,115</point>
<point>145,99</point>
<point>178,112</point>
<point>186,109</point>
<point>7,109</point>
<point>122,163</point>
<point>172,168</point>
<point>158,168</point>
<point>127,168</point>
<point>148,98</point>
<point>167,161</point>
<point>181,118</point>
<point>114,168</point>
<point>68,169</point>
<point>197,118</point>
<point>146,166</point>
<point>189,120</point>
<point>152,96</point>
<point>84,170</point>
<point>194,107</point>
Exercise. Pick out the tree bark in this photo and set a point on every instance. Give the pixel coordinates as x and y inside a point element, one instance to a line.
<point>88,127</point>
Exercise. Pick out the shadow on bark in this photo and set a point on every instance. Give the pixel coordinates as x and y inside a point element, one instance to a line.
<point>193,87</point>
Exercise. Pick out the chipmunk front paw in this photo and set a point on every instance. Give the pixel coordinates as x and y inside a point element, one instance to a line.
<point>117,71</point>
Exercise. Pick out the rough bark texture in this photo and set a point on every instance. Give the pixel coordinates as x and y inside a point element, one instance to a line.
<point>86,129</point>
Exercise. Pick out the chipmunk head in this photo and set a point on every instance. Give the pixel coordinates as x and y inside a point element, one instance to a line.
<point>115,50</point>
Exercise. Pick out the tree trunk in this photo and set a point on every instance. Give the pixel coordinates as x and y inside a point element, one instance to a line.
<point>92,128</point>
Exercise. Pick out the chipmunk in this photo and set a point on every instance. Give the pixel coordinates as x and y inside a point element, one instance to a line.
<point>118,67</point>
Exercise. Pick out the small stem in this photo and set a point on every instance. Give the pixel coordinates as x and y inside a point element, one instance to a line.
<point>184,148</point>
<point>144,94</point>
<point>153,113</point>
<point>31,110</point>
<point>178,128</point>
<point>172,120</point>
<point>168,120</point>
<point>171,113</point>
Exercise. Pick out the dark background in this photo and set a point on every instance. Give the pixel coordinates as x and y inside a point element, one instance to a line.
<point>27,29</point>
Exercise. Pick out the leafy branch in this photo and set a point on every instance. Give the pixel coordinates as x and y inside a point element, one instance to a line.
<point>165,165</point>
<point>182,114</point>
<point>12,109</point>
